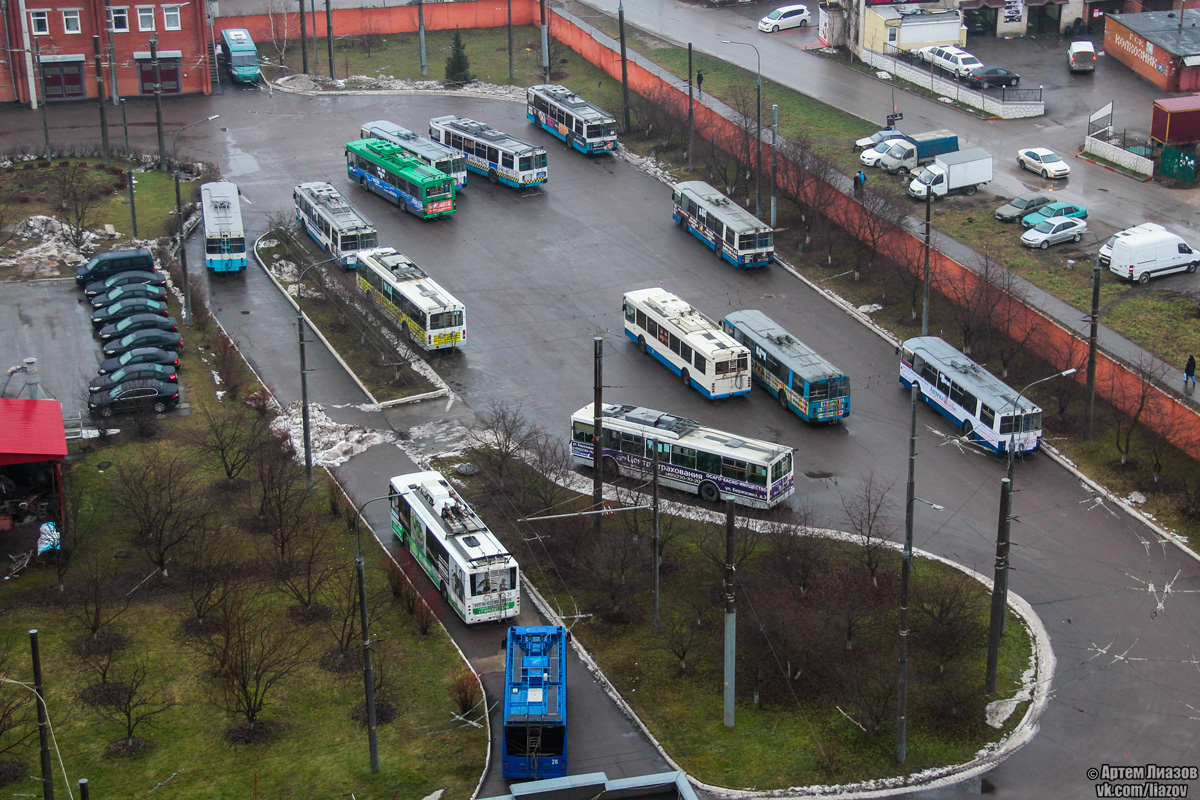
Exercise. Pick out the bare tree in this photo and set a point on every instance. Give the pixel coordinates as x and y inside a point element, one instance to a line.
<point>76,525</point>
<point>866,512</point>
<point>281,25</point>
<point>1066,352</point>
<point>1170,430</point>
<point>250,655</point>
<point>92,598</point>
<point>617,564</point>
<point>551,465</point>
<point>17,726</point>
<point>230,436</point>
<point>133,703</point>
<point>1131,392</point>
<point>795,554</point>
<point>307,564</point>
<point>370,32</point>
<point>503,433</point>
<point>982,303</point>
<point>464,690</point>
<point>282,494</point>
<point>879,218</point>
<point>948,616</point>
<point>340,595</point>
<point>209,563</point>
<point>710,542</point>
<point>164,503</point>
<point>79,192</point>
<point>660,116</point>
<point>683,623</point>
<point>100,655</point>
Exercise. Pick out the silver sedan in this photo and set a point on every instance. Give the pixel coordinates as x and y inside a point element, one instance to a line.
<point>1053,231</point>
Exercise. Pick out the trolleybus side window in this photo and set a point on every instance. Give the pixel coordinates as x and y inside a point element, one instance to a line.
<point>584,433</point>
<point>964,398</point>
<point>683,457</point>
<point>988,416</point>
<point>733,468</point>
<point>708,462</point>
<point>701,362</point>
<point>781,468</point>
<point>632,444</point>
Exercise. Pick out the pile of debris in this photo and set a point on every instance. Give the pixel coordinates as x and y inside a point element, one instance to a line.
<point>55,248</point>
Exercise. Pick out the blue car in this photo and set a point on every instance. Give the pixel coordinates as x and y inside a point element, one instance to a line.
<point>1053,211</point>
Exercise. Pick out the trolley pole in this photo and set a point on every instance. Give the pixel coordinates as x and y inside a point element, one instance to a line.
<point>905,572</point>
<point>421,36</point>
<point>100,99</point>
<point>774,168</point>
<point>304,39</point>
<point>129,170</point>
<point>329,38</point>
<point>730,617</point>
<point>925,274</point>
<point>545,42</point>
<point>43,719</point>
<point>999,585</point>
<point>598,434</point>
<point>158,113</point>
<point>37,56</point>
<point>624,65</point>
<point>691,111</point>
<point>654,519</point>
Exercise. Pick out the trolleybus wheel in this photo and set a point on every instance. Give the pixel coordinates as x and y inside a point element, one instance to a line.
<point>492,176</point>
<point>687,379</point>
<point>609,468</point>
<point>709,492</point>
<point>968,428</point>
<point>783,400</point>
<point>642,344</point>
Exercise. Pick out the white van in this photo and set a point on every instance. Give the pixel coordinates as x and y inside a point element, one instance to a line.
<point>1106,248</point>
<point>1081,57</point>
<point>1142,256</point>
<point>796,16</point>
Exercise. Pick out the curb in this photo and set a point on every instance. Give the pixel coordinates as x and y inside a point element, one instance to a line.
<point>1114,169</point>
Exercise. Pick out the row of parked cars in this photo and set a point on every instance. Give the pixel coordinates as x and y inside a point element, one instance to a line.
<point>966,67</point>
<point>139,339</point>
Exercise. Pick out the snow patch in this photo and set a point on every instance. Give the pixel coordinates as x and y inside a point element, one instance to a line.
<point>217,378</point>
<point>268,243</point>
<point>870,308</point>
<point>1135,498</point>
<point>221,395</point>
<point>333,443</point>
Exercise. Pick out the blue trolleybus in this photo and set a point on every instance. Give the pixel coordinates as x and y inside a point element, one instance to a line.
<point>733,233</point>
<point>568,116</point>
<point>987,409</point>
<point>804,382</point>
<point>494,154</point>
<point>535,703</point>
<point>224,238</point>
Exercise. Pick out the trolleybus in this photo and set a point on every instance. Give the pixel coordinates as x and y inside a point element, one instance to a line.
<point>535,702</point>
<point>423,149</point>
<point>333,222</point>
<point>433,318</point>
<point>987,409</point>
<point>241,56</point>
<point>224,238</point>
<point>733,233</point>
<point>387,170</point>
<point>468,565</point>
<point>803,381</point>
<point>691,457</point>
<point>492,153</point>
<point>568,116</point>
<point>688,343</point>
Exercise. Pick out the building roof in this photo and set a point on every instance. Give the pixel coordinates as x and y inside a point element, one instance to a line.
<point>31,430</point>
<point>1161,28</point>
<point>1189,103</point>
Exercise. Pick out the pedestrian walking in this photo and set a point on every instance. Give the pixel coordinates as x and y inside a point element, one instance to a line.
<point>860,178</point>
<point>1189,372</point>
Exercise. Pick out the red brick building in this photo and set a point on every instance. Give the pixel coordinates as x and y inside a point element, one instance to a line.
<point>1155,46</point>
<point>51,40</point>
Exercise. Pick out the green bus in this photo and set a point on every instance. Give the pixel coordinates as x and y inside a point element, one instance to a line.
<point>387,170</point>
<point>241,56</point>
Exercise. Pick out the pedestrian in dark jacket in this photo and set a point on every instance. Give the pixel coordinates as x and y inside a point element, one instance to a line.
<point>1189,371</point>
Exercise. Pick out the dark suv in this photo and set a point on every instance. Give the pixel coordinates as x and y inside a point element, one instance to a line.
<point>139,395</point>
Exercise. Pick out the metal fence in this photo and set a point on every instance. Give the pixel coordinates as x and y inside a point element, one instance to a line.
<point>1004,94</point>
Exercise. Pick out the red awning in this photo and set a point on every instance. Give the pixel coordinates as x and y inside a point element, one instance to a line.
<point>31,430</point>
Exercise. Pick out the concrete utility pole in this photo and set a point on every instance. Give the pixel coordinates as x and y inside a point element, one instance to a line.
<point>910,499</point>
<point>624,64</point>
<point>329,38</point>
<point>691,109</point>
<point>730,617</point>
<point>545,42</point>
<point>100,99</point>
<point>925,273</point>
<point>653,444</point>
<point>158,113</point>
<point>421,35</point>
<point>999,585</point>
<point>598,433</point>
<point>43,719</point>
<point>112,49</point>
<point>37,56</point>
<point>129,170</point>
<point>774,170</point>
<point>1090,391</point>
<point>303,40</point>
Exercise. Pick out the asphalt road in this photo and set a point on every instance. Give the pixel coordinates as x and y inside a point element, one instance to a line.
<point>543,273</point>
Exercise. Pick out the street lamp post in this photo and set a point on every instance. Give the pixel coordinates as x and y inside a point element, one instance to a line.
<point>1091,362</point>
<point>187,289</point>
<point>1016,400</point>
<point>308,471</point>
<point>758,128</point>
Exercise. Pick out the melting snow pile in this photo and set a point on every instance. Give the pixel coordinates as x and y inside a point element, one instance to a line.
<point>333,444</point>
<point>42,260</point>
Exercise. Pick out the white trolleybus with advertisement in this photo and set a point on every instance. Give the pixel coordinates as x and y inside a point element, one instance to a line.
<point>433,318</point>
<point>423,149</point>
<point>688,343</point>
<point>468,565</point>
<point>568,116</point>
<point>987,410</point>
<point>691,458</point>
<point>733,233</point>
<point>494,154</point>
<point>333,222</point>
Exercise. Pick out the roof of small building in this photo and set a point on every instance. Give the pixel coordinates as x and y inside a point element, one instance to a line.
<point>1161,28</point>
<point>32,431</point>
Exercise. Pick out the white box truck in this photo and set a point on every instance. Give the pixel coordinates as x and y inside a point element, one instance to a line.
<point>964,171</point>
<point>1142,256</point>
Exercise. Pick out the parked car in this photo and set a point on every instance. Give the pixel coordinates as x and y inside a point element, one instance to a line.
<point>784,17</point>
<point>105,264</point>
<point>976,22</point>
<point>955,60</point>
<point>127,308</point>
<point>140,355</point>
<point>1053,231</point>
<point>127,291</point>
<point>987,77</point>
<point>875,138</point>
<point>1052,211</point>
<point>870,157</point>
<point>149,337</point>
<point>1022,205</point>
<point>137,322</point>
<point>1043,161</point>
<point>1105,254</point>
<point>1142,256</point>
<point>133,372</point>
<point>1081,57</point>
<point>123,279</point>
<point>138,395</point>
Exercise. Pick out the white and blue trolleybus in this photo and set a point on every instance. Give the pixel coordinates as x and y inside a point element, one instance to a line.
<point>691,458</point>
<point>987,410</point>
<point>499,157</point>
<point>333,222</point>
<point>568,116</point>
<point>422,148</point>
<point>224,237</point>
<point>688,343</point>
<point>733,233</point>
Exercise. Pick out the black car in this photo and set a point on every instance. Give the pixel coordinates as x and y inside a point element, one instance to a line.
<point>150,337</point>
<point>140,355</point>
<point>133,372</point>
<point>987,77</point>
<point>1021,205</point>
<point>127,308</point>
<point>123,279</point>
<point>137,322</point>
<point>138,395</point>
<point>128,292</point>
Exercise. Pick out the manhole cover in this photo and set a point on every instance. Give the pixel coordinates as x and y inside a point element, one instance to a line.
<point>103,465</point>
<point>467,469</point>
<point>122,554</point>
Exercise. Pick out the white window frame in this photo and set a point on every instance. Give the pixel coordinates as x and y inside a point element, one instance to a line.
<point>72,13</point>
<point>112,17</point>
<point>42,15</point>
<point>145,14</point>
<point>177,11</point>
